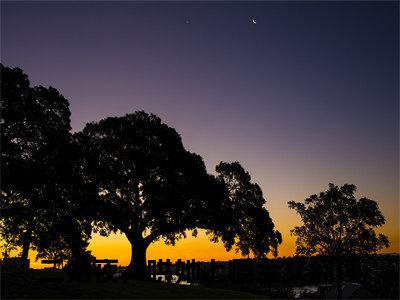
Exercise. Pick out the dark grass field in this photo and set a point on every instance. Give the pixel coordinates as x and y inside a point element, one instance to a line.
<point>48,284</point>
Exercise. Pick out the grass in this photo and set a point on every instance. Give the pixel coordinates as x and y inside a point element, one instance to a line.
<point>33,284</point>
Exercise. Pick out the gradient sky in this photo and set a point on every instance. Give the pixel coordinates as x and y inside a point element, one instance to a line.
<point>307,96</point>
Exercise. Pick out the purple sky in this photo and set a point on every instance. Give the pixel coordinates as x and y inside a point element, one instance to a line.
<point>307,96</point>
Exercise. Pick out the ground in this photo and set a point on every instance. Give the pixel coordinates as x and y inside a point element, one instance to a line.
<point>43,284</point>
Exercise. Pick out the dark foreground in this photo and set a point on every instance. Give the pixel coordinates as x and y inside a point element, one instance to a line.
<point>48,284</point>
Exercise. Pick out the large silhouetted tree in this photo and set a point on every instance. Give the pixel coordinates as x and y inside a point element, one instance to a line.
<point>147,183</point>
<point>149,186</point>
<point>335,223</point>
<point>36,159</point>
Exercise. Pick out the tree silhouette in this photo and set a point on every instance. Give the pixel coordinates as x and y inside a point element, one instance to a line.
<point>337,224</point>
<point>64,238</point>
<point>148,186</point>
<point>241,218</point>
<point>8,237</point>
<point>36,158</point>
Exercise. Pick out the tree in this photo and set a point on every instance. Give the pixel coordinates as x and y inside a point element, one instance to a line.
<point>148,186</point>
<point>8,240</point>
<point>65,238</point>
<point>337,224</point>
<point>36,163</point>
<point>241,219</point>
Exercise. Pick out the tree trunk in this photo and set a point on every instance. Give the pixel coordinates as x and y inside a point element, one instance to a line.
<point>137,266</point>
<point>26,243</point>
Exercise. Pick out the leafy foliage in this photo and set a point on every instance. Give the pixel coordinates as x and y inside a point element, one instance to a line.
<point>36,159</point>
<point>145,180</point>
<point>336,223</point>
<point>63,239</point>
<point>243,220</point>
<point>145,184</point>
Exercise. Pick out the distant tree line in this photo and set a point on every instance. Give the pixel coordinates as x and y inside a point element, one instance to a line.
<point>132,174</point>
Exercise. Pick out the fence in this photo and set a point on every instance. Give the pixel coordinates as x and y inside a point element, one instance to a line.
<point>189,271</point>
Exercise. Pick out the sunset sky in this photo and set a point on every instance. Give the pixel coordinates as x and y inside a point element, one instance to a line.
<point>306,96</point>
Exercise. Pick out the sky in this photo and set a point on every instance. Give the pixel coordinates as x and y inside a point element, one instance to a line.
<point>306,96</point>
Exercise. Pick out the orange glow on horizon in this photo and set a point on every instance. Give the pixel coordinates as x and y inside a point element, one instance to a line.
<point>116,246</point>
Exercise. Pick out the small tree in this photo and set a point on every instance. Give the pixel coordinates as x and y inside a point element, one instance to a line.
<point>64,238</point>
<point>241,218</point>
<point>337,224</point>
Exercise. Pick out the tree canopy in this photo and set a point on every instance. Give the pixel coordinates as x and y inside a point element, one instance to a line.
<point>336,223</point>
<point>241,218</point>
<point>36,160</point>
<point>147,184</point>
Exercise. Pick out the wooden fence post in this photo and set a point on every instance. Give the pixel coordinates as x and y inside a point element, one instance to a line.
<point>152,269</point>
<point>188,270</point>
<point>178,267</point>
<point>212,270</point>
<point>168,273</point>
<point>160,266</point>
<point>193,265</point>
